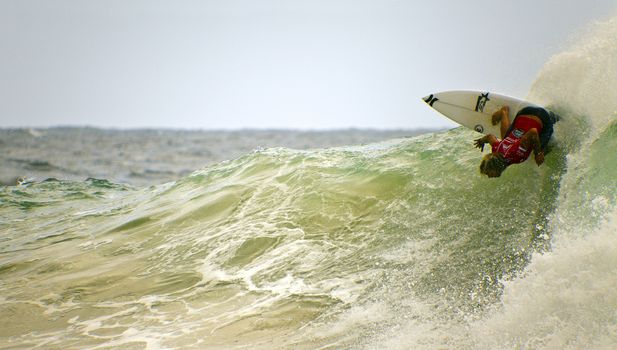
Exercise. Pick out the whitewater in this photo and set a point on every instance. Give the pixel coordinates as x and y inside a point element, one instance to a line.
<point>392,245</point>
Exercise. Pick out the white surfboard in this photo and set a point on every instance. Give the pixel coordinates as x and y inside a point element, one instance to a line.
<point>473,109</point>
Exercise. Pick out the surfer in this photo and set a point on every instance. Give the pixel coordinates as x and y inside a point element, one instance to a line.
<point>530,131</point>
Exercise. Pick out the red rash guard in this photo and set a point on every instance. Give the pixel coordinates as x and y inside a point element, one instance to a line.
<point>510,147</point>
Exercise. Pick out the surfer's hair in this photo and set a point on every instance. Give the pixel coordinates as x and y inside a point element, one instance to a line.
<point>493,164</point>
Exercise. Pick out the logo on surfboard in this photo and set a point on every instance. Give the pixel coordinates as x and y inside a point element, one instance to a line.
<point>482,99</point>
<point>431,99</point>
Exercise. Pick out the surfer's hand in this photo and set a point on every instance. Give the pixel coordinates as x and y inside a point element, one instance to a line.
<point>498,116</point>
<point>539,158</point>
<point>480,143</point>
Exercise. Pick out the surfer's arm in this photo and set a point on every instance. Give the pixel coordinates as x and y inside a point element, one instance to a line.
<point>531,139</point>
<point>502,116</point>
<point>490,139</point>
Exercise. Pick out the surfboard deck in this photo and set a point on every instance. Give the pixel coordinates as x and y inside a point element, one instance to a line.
<point>473,109</point>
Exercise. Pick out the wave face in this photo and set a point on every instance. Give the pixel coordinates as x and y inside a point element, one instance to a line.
<point>396,245</point>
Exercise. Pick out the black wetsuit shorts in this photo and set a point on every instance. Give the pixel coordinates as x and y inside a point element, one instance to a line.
<point>548,120</point>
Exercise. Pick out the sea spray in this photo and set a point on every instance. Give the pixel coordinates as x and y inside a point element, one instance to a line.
<point>566,299</point>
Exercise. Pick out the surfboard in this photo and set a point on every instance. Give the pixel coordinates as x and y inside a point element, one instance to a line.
<point>473,109</point>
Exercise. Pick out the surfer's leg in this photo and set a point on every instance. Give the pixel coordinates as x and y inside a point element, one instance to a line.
<point>532,110</point>
<point>548,120</point>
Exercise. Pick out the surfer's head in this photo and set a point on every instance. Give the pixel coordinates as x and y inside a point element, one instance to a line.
<point>493,165</point>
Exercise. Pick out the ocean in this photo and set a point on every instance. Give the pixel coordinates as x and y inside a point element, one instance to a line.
<point>151,156</point>
<point>163,239</point>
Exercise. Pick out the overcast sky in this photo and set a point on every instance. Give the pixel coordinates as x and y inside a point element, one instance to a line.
<point>312,64</point>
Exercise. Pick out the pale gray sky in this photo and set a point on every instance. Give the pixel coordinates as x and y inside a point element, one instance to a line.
<point>310,64</point>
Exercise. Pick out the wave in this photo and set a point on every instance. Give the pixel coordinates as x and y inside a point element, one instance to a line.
<point>279,242</point>
<point>564,299</point>
<point>396,245</point>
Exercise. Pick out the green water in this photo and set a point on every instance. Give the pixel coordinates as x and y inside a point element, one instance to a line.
<point>331,248</point>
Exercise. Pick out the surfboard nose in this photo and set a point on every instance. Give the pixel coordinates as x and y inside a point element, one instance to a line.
<point>430,99</point>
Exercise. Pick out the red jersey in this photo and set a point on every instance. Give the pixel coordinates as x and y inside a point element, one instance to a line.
<point>510,147</point>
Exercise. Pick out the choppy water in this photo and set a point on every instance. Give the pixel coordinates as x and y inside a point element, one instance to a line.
<point>399,244</point>
<point>149,157</point>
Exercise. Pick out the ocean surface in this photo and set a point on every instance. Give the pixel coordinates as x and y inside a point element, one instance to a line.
<point>169,240</point>
<point>150,156</point>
